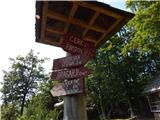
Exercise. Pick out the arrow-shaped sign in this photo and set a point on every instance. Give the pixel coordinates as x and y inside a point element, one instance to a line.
<point>69,47</point>
<point>70,73</point>
<point>71,61</point>
<point>68,87</point>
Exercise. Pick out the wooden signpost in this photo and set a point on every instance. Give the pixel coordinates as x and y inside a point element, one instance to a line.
<point>70,73</point>
<point>68,87</point>
<point>70,70</point>
<point>75,49</point>
<point>71,61</point>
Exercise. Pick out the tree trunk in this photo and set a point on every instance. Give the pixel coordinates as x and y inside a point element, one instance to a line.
<point>100,94</point>
<point>102,108</point>
<point>131,110</point>
<point>142,112</point>
<point>22,106</point>
<point>109,112</point>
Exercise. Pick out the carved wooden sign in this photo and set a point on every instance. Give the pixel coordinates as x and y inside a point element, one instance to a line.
<point>68,87</point>
<point>71,61</point>
<point>77,46</point>
<point>70,69</point>
<point>70,73</point>
<point>78,41</point>
<point>68,47</point>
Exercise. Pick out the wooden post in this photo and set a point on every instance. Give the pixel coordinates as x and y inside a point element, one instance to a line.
<point>75,107</point>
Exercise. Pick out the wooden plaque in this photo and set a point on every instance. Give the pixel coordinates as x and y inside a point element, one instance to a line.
<point>71,61</point>
<point>70,73</point>
<point>74,49</point>
<point>68,87</point>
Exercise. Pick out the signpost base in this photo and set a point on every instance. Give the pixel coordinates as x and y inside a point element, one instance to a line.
<point>75,107</point>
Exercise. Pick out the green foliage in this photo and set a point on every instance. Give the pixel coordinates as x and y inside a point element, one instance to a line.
<point>146,27</point>
<point>39,111</point>
<point>42,114</point>
<point>126,63</point>
<point>41,106</point>
<point>9,112</point>
<point>105,86</point>
<point>22,79</point>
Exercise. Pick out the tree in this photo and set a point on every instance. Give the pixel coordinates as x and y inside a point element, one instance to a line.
<point>146,27</point>
<point>105,86</point>
<point>126,63</point>
<point>41,106</point>
<point>9,112</point>
<point>22,79</point>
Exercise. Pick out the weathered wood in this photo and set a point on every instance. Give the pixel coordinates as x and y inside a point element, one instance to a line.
<point>54,15</point>
<point>71,61</point>
<point>68,87</point>
<point>90,20</point>
<point>75,107</point>
<point>67,112</point>
<point>44,18</point>
<point>70,73</point>
<point>68,47</point>
<point>73,10</point>
<point>49,29</point>
<point>99,9</point>
<point>110,29</point>
<point>78,42</point>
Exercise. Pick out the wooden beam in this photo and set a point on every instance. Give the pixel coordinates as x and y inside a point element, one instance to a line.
<point>51,41</point>
<point>90,40</point>
<point>50,29</point>
<point>94,18</point>
<point>109,30</point>
<point>91,22</point>
<point>74,21</point>
<point>73,11</point>
<point>99,9</point>
<point>85,25</point>
<point>54,15</point>
<point>44,18</point>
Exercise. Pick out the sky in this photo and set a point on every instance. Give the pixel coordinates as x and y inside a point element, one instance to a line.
<point>17,32</point>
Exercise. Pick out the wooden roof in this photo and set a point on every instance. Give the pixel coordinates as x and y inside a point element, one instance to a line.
<point>91,21</point>
<point>153,86</point>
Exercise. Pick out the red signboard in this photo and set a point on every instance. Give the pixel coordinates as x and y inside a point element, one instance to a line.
<point>69,47</point>
<point>71,61</point>
<point>70,73</point>
<point>68,87</point>
<point>78,42</point>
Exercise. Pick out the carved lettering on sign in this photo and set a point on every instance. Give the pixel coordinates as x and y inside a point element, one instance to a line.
<point>78,41</point>
<point>70,73</point>
<point>78,50</point>
<point>71,61</point>
<point>68,87</point>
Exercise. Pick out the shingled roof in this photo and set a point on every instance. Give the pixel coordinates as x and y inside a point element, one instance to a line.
<point>92,21</point>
